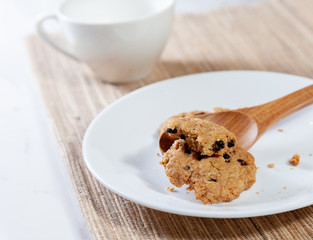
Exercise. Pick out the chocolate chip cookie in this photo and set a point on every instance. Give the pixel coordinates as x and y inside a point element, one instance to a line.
<point>215,178</point>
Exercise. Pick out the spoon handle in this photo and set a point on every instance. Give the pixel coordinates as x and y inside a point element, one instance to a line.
<point>266,115</point>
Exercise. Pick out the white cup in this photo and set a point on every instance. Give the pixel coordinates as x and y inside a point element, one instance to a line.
<point>120,40</point>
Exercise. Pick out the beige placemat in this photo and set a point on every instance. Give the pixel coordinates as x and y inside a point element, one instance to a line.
<point>276,36</point>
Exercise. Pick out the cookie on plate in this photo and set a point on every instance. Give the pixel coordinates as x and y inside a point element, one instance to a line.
<point>216,178</point>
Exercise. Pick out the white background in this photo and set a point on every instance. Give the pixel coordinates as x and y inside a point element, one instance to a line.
<point>36,197</point>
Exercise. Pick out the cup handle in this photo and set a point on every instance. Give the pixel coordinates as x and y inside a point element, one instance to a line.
<point>42,32</point>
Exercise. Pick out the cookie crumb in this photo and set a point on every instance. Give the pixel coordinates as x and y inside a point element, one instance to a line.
<point>285,188</point>
<point>310,154</point>
<point>280,130</point>
<point>257,193</point>
<point>291,168</point>
<point>294,161</point>
<point>271,165</point>
<point>160,162</point>
<point>187,192</point>
<point>170,189</point>
<point>158,154</point>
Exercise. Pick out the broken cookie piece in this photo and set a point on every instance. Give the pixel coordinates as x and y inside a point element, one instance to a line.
<point>202,136</point>
<point>170,189</point>
<point>294,161</point>
<point>215,178</point>
<point>271,165</point>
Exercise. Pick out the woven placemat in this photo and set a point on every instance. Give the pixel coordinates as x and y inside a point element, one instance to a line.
<point>275,36</point>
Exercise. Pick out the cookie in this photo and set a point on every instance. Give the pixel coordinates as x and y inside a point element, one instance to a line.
<point>213,179</point>
<point>202,135</point>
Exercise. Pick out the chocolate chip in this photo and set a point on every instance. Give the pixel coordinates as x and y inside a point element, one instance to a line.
<point>202,156</point>
<point>187,151</point>
<point>212,180</point>
<point>242,162</point>
<point>227,160</point>
<point>218,145</point>
<point>231,143</point>
<point>182,136</point>
<point>226,156</point>
<point>187,168</point>
<point>169,130</point>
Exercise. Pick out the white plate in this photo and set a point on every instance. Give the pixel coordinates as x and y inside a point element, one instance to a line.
<point>120,146</point>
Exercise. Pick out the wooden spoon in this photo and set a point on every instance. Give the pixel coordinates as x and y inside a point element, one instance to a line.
<point>248,124</point>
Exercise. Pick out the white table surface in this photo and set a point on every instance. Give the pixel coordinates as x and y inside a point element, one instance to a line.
<point>37,200</point>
